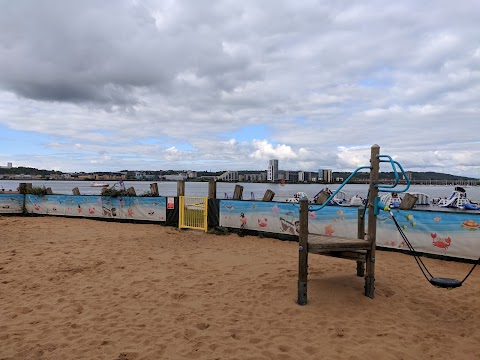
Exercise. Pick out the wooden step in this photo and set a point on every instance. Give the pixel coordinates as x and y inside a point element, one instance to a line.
<point>319,243</point>
<point>356,255</point>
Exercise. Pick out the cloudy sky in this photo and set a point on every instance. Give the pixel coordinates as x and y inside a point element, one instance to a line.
<point>228,85</point>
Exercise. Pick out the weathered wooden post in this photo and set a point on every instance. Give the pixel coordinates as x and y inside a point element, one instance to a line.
<point>408,202</point>
<point>238,193</point>
<point>322,197</point>
<point>22,188</point>
<point>75,191</point>
<point>49,191</point>
<point>372,221</point>
<point>131,191</point>
<point>154,189</point>
<point>212,189</point>
<point>303,253</point>
<point>29,188</point>
<point>361,235</point>
<point>269,194</point>
<point>181,188</point>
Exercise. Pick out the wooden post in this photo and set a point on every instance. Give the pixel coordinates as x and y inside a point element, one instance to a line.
<point>322,197</point>
<point>212,189</point>
<point>181,188</point>
<point>237,194</point>
<point>49,191</point>
<point>75,191</point>
<point>269,194</point>
<point>154,189</point>
<point>408,202</point>
<point>22,188</point>
<point>303,253</point>
<point>131,191</point>
<point>372,221</point>
<point>361,235</point>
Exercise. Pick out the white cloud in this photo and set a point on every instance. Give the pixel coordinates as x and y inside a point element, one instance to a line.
<point>159,84</point>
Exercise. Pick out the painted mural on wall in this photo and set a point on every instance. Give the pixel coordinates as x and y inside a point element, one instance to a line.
<point>454,234</point>
<point>133,208</point>
<point>11,203</point>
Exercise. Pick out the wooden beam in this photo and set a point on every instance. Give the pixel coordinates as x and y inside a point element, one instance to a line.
<point>212,189</point>
<point>181,188</point>
<point>372,221</point>
<point>361,235</point>
<point>303,253</point>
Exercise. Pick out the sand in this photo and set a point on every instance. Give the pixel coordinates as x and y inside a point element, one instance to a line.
<point>86,289</point>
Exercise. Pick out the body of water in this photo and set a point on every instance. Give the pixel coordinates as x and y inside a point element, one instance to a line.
<point>250,190</point>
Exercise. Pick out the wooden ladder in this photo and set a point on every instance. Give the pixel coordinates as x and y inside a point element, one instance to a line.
<point>361,250</point>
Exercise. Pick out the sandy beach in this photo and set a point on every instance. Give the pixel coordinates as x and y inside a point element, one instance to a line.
<point>84,289</point>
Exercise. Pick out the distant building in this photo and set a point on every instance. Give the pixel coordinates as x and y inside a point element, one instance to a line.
<point>9,166</point>
<point>229,176</point>
<point>272,172</point>
<point>325,175</point>
<point>175,177</point>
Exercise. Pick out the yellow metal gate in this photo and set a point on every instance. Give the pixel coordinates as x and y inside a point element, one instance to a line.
<point>193,213</point>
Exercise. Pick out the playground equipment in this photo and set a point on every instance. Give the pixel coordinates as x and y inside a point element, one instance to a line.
<point>360,250</point>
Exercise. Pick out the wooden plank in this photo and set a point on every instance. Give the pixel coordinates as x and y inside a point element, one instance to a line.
<point>336,243</point>
<point>359,255</point>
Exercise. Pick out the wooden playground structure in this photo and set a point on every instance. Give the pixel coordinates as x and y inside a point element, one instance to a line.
<point>361,250</point>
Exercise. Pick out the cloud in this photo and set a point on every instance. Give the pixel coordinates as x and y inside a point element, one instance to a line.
<point>158,84</point>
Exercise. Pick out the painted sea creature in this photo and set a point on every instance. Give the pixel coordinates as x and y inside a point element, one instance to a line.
<point>151,212</point>
<point>36,207</point>
<point>470,225</point>
<point>130,212</point>
<point>287,226</point>
<point>442,243</point>
<point>312,214</point>
<point>437,219</point>
<point>243,220</point>
<point>275,209</point>
<point>289,213</point>
<point>91,210</point>
<point>229,207</point>
<point>409,216</point>
<point>79,208</point>
<point>262,223</point>
<point>340,212</point>
<point>329,230</point>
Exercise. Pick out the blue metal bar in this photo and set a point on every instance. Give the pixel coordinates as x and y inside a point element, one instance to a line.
<point>397,178</point>
<point>341,186</point>
<point>390,188</point>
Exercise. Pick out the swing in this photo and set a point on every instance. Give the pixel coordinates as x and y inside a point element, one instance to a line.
<point>440,282</point>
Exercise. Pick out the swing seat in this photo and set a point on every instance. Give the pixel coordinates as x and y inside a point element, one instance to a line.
<point>445,283</point>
